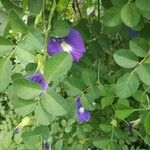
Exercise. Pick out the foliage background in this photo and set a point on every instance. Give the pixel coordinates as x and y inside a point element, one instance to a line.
<point>113,77</point>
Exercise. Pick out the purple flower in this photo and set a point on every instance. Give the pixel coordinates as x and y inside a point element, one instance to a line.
<point>132,33</point>
<point>83,115</point>
<point>47,145</point>
<point>72,43</point>
<point>38,78</point>
<point>16,130</point>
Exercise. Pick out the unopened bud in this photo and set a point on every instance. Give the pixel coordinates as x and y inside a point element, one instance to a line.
<point>24,122</point>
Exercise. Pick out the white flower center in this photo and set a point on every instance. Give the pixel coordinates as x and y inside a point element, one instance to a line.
<point>81,110</point>
<point>66,47</point>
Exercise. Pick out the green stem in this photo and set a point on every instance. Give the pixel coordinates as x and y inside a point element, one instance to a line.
<point>112,134</point>
<point>148,100</point>
<point>98,71</point>
<point>43,14</point>
<point>98,5</point>
<point>46,29</point>
<point>144,93</point>
<point>142,109</point>
<point>140,136</point>
<point>142,61</point>
<point>11,54</point>
<point>50,16</point>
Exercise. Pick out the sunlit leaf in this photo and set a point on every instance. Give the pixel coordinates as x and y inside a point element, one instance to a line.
<point>54,104</point>
<point>144,73</point>
<point>139,46</point>
<point>5,73</point>
<point>112,17</point>
<point>6,47</point>
<point>3,22</point>
<point>130,15</point>
<point>123,111</point>
<point>125,58</point>
<point>101,143</point>
<point>57,66</point>
<point>143,5</point>
<point>24,107</point>
<point>106,101</point>
<point>146,123</point>
<point>35,6</point>
<point>8,5</point>
<point>16,23</point>
<point>26,89</point>
<point>127,85</point>
<point>42,115</point>
<point>60,28</point>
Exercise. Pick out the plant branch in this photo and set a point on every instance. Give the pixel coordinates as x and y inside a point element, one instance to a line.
<point>98,71</point>
<point>48,27</point>
<point>98,5</point>
<point>140,63</point>
<point>77,4</point>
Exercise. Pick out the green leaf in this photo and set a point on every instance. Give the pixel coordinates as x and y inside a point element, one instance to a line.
<point>87,102</point>
<point>23,107</point>
<point>80,133</point>
<point>139,46</point>
<point>106,127</point>
<point>42,115</point>
<point>31,140</point>
<point>140,25</point>
<point>130,15</point>
<point>101,143</point>
<point>125,58</point>
<point>54,104</point>
<point>147,60</point>
<point>107,101</point>
<point>3,22</point>
<point>147,123</point>
<point>41,130</point>
<point>26,89</point>
<point>87,127</point>
<point>114,146</point>
<point>105,90</point>
<point>112,17</point>
<point>8,5</point>
<point>118,133</point>
<point>35,6</point>
<point>6,46</point>
<point>60,28</point>
<point>7,139</point>
<point>147,139</point>
<point>119,3</point>
<point>143,5</point>
<point>83,28</point>
<point>123,101</point>
<point>88,76</point>
<point>127,85</point>
<point>145,14</point>
<point>24,55</point>
<point>31,68</point>
<point>59,145</point>
<point>16,23</point>
<point>71,86</point>
<point>62,5</point>
<point>123,111</point>
<point>57,66</point>
<point>93,92</point>
<point>144,73</point>
<point>29,46</point>
<point>71,107</point>
<point>5,73</point>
